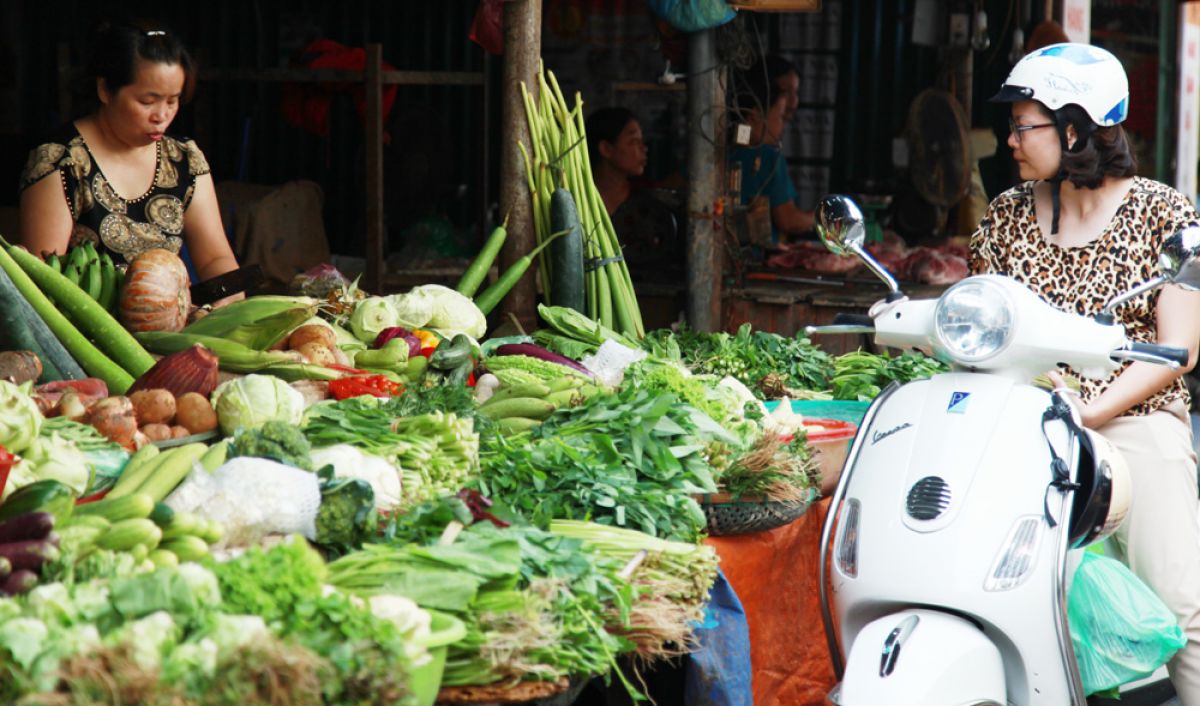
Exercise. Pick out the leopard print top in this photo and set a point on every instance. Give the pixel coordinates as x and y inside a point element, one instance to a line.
<point>1083,279</point>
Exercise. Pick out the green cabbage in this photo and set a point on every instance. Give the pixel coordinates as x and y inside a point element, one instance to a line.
<point>253,400</point>
<point>20,420</point>
<point>413,309</point>
<point>53,458</point>
<point>453,313</point>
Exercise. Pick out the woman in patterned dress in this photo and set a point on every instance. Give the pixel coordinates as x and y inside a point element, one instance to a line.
<point>115,177</point>
<point>1081,229</point>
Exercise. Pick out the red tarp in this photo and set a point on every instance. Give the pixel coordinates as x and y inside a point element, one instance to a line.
<point>775,575</point>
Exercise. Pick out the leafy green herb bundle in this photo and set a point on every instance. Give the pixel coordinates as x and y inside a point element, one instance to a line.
<point>750,356</point>
<point>633,458</point>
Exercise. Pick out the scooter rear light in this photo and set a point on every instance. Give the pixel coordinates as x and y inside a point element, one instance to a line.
<point>1017,556</point>
<point>846,549</point>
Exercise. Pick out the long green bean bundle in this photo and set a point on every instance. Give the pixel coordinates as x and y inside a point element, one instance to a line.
<point>560,158</point>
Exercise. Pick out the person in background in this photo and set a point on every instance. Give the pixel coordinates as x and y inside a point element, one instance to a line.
<point>1081,229</point>
<point>115,177</point>
<point>769,93</point>
<point>785,79</point>
<point>646,226</point>
<point>618,154</point>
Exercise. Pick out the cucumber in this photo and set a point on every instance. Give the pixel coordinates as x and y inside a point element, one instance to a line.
<point>566,253</point>
<point>162,515</point>
<point>187,548</point>
<point>163,558</point>
<point>184,523</point>
<point>531,407</point>
<point>45,495</point>
<point>133,506</point>
<point>127,534</point>
<point>16,330</point>
<point>516,425</point>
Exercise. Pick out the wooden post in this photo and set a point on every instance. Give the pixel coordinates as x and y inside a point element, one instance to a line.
<point>376,250</point>
<point>705,226</point>
<point>522,52</point>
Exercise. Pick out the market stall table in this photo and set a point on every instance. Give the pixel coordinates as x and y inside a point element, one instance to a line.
<point>775,576</point>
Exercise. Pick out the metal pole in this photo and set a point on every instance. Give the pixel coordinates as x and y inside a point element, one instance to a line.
<point>522,51</point>
<point>705,106</point>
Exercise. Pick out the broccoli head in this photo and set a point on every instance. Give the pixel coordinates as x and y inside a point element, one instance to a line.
<point>347,512</point>
<point>276,440</point>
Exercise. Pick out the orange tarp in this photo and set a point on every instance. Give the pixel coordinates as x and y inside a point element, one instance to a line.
<point>775,576</point>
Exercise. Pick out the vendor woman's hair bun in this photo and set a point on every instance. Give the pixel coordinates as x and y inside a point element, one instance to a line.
<point>119,46</point>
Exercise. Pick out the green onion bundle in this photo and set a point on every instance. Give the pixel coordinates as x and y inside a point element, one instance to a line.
<point>560,158</point>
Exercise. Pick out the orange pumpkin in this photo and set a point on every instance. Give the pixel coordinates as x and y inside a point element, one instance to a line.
<point>156,294</point>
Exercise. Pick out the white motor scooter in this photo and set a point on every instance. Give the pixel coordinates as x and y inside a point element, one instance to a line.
<point>963,496</point>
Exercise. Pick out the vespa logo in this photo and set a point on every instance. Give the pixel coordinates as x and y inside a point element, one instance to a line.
<point>958,403</point>
<point>881,435</point>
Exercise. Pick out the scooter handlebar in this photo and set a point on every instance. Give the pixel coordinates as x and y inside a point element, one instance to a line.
<point>1153,353</point>
<point>844,323</point>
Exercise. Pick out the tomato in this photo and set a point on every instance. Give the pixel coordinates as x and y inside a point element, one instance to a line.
<point>357,385</point>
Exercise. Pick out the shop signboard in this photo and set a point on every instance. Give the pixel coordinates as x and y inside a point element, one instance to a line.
<point>1077,20</point>
<point>1188,141</point>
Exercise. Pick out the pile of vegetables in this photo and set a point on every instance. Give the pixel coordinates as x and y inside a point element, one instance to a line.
<point>260,629</point>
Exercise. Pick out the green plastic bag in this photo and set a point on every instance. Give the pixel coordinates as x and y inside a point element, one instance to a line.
<point>1120,629</point>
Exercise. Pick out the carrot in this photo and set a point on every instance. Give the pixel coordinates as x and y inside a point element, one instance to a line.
<point>493,294</point>
<point>81,349</point>
<point>91,318</point>
<point>477,272</point>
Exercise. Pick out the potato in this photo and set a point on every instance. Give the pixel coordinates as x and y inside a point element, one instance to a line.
<point>157,432</point>
<point>153,406</point>
<point>312,333</point>
<point>178,432</point>
<point>195,413</point>
<point>113,417</point>
<point>317,353</point>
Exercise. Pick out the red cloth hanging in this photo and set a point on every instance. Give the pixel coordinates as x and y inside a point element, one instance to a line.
<point>306,105</point>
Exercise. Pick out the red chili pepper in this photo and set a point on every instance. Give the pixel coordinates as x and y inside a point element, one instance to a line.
<point>355,386</point>
<point>93,497</point>
<point>345,369</point>
<point>428,351</point>
<point>6,463</point>
<point>471,379</point>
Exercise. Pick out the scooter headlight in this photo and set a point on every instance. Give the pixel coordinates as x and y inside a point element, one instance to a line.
<point>974,320</point>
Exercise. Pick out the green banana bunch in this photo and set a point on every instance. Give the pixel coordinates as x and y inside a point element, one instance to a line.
<point>92,271</point>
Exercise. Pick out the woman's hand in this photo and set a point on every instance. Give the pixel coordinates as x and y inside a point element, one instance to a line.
<point>1088,415</point>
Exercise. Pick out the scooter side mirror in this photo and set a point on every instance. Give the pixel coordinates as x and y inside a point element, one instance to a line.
<point>842,228</point>
<point>1178,263</point>
<point>840,224</point>
<point>1180,257</point>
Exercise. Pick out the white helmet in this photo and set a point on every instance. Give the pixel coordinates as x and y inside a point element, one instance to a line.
<point>1105,493</point>
<point>1062,74</point>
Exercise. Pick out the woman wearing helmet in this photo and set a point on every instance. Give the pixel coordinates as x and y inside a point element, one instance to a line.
<point>1081,229</point>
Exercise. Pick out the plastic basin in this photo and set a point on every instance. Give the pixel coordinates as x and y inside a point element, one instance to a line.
<point>424,681</point>
<point>830,445</point>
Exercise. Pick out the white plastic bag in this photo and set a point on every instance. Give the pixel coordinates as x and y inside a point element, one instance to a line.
<point>252,498</point>
<point>609,361</point>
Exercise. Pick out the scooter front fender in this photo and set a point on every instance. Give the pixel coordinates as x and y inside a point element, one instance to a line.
<point>922,658</point>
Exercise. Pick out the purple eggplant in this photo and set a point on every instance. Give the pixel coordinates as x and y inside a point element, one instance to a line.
<point>534,351</point>
<point>31,525</point>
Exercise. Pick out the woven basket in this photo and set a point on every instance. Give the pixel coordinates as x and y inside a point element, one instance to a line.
<point>747,514</point>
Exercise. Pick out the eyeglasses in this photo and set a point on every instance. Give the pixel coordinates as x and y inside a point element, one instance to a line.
<point>1018,130</point>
